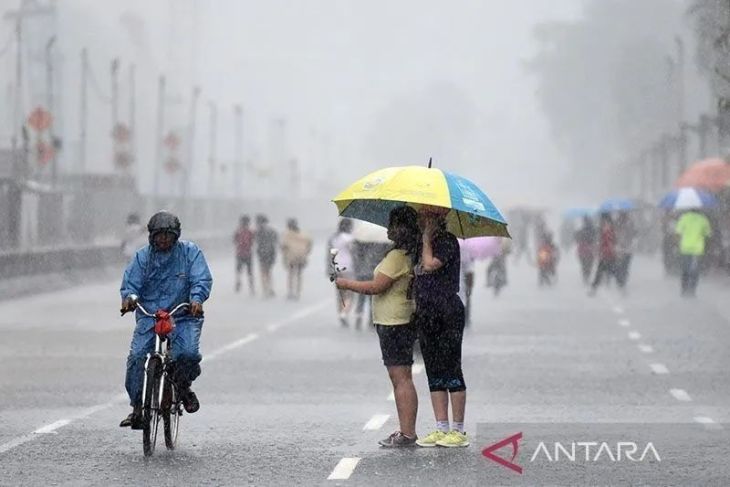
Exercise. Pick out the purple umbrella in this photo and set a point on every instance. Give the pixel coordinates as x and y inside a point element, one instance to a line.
<point>481,247</point>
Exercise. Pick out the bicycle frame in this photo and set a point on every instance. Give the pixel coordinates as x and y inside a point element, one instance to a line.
<point>163,355</point>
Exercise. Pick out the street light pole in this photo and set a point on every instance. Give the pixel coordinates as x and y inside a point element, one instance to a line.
<point>238,150</point>
<point>158,134</point>
<point>49,102</point>
<point>83,109</point>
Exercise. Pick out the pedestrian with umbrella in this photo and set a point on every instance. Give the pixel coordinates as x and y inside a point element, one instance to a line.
<point>392,309</point>
<point>606,252</point>
<point>449,206</point>
<point>693,229</point>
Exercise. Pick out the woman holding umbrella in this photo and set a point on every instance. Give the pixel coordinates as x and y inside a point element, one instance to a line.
<point>440,319</point>
<point>449,206</point>
<point>392,309</point>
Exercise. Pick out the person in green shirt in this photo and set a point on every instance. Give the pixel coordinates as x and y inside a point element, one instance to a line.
<point>693,229</point>
<point>392,309</point>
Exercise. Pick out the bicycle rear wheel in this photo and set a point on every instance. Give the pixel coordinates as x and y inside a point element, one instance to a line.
<point>151,409</point>
<point>171,415</point>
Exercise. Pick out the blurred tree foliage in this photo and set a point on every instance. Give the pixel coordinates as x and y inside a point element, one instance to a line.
<point>607,81</point>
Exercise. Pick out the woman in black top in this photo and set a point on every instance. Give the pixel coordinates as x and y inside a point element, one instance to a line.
<point>440,321</point>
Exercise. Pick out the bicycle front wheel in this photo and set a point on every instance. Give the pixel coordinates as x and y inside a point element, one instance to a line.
<point>151,409</point>
<point>171,415</point>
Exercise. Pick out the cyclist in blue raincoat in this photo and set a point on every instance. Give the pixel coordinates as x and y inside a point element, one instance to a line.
<point>162,275</point>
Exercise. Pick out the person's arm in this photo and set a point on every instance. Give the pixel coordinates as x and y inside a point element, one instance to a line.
<point>378,285</point>
<point>201,281</point>
<point>132,281</point>
<point>429,262</point>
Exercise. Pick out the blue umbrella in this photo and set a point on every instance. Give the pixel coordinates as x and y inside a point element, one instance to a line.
<point>617,204</point>
<point>574,213</point>
<point>687,198</point>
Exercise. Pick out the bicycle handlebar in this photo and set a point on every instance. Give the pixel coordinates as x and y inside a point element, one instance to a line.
<point>154,315</point>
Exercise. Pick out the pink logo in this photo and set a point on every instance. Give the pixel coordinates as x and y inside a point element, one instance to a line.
<point>512,440</point>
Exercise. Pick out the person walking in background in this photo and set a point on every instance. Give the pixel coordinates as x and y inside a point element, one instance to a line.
<point>295,249</point>
<point>440,320</point>
<point>625,241</point>
<point>392,311</point>
<point>266,240</point>
<point>585,240</point>
<point>343,242</point>
<point>467,281</point>
<point>548,255</point>
<point>497,268</point>
<point>606,252</point>
<point>243,240</point>
<point>134,236</point>
<point>693,229</point>
<point>370,246</point>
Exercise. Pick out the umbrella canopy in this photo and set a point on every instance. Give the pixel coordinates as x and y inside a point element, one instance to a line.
<point>617,204</point>
<point>369,233</point>
<point>575,213</point>
<point>471,213</point>
<point>687,198</point>
<point>709,174</point>
<point>481,247</point>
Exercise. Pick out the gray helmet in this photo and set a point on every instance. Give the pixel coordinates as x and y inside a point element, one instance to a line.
<point>163,222</point>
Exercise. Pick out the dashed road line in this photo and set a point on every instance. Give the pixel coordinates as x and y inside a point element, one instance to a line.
<point>708,422</point>
<point>634,335</point>
<point>660,369</point>
<point>618,310</point>
<point>646,348</point>
<point>680,395</point>
<point>344,468</point>
<point>52,427</point>
<point>624,323</point>
<point>376,422</point>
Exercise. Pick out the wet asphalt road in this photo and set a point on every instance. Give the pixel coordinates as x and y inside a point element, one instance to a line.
<point>286,391</point>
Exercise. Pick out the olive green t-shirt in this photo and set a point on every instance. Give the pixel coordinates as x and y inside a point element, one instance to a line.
<point>393,306</point>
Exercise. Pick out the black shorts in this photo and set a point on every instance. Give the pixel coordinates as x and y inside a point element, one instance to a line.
<point>440,334</point>
<point>242,262</point>
<point>396,343</point>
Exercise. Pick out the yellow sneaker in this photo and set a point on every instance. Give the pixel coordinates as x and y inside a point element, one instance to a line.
<point>431,440</point>
<point>453,439</point>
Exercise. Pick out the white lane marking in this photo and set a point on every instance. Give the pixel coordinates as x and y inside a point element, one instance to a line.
<point>391,396</point>
<point>16,442</point>
<point>376,422</point>
<point>680,395</point>
<point>417,369</point>
<point>85,413</point>
<point>659,368</point>
<point>634,335</point>
<point>618,310</point>
<point>646,349</point>
<point>231,346</point>
<point>303,313</point>
<point>708,423</point>
<point>624,323</point>
<point>344,469</point>
<point>51,428</point>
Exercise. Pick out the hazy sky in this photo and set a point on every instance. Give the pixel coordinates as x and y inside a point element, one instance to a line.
<point>347,72</point>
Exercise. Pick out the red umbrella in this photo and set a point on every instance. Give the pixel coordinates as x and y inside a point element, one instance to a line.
<point>710,174</point>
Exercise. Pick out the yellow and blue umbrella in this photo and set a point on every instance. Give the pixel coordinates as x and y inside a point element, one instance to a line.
<point>472,214</point>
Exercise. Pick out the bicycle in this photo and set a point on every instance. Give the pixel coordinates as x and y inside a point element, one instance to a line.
<point>160,398</point>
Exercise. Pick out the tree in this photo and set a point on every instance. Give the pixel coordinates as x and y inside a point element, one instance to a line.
<point>606,80</point>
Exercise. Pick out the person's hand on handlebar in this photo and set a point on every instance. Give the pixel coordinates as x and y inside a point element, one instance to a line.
<point>129,304</point>
<point>196,308</point>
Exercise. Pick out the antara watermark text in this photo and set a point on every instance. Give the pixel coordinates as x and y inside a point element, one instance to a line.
<point>593,451</point>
